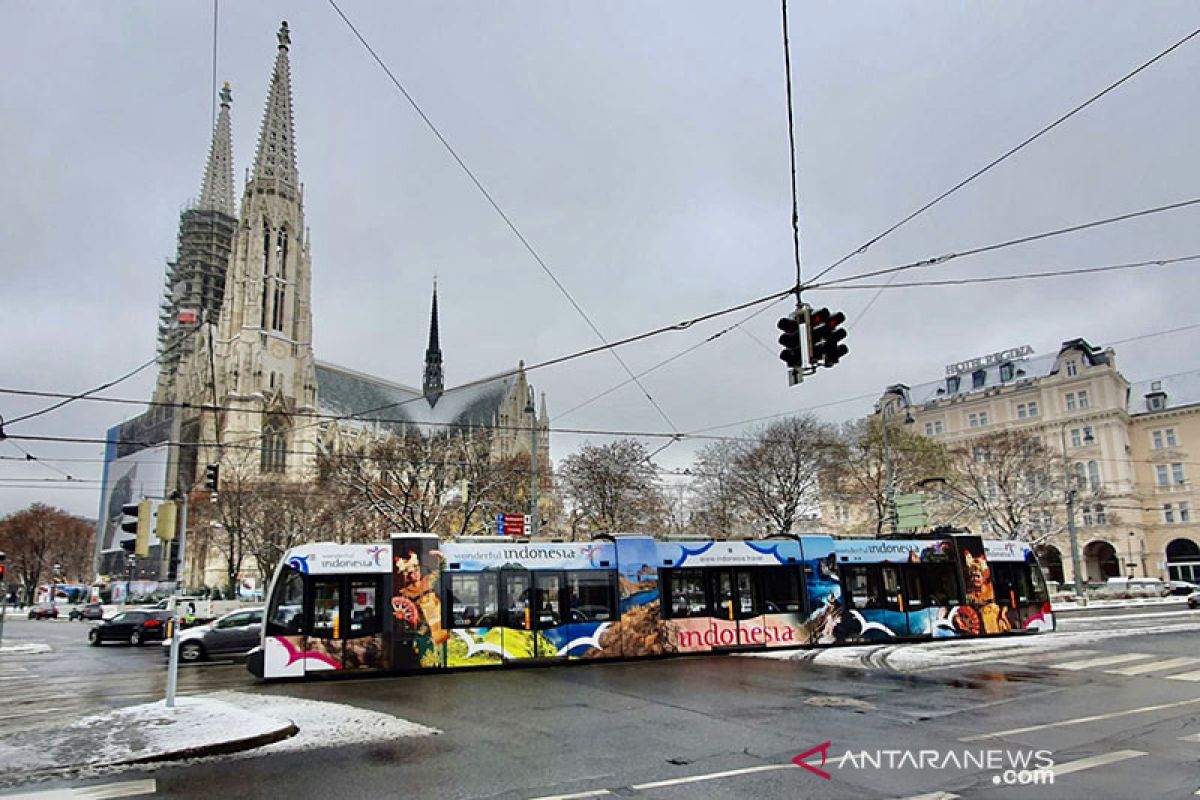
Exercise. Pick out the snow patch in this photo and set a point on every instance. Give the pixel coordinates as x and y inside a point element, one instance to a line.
<point>24,648</point>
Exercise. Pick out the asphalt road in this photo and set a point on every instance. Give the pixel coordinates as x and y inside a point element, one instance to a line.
<point>1113,699</point>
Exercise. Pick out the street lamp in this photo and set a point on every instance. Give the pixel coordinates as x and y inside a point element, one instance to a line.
<point>1076,561</point>
<point>1130,564</point>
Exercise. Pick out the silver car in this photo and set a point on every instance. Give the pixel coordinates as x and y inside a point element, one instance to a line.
<point>234,634</point>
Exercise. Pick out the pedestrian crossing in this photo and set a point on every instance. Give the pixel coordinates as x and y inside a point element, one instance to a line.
<point>1149,665</point>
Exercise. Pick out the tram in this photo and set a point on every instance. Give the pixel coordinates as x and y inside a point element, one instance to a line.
<point>418,603</point>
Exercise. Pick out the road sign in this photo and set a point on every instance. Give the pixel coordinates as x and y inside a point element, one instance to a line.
<point>512,524</point>
<point>910,511</point>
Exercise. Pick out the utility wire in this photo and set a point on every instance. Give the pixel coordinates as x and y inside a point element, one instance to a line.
<point>1161,262</point>
<point>496,207</point>
<point>787,69</point>
<point>1013,151</point>
<point>942,259</point>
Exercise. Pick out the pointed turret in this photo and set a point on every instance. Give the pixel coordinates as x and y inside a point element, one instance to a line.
<point>433,384</point>
<point>275,159</point>
<point>216,192</point>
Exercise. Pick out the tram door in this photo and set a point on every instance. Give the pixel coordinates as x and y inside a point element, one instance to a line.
<point>529,604</point>
<point>735,599</point>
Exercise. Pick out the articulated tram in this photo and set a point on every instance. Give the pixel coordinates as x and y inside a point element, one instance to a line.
<point>418,603</point>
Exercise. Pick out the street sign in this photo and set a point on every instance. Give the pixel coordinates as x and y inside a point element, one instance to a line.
<point>512,524</point>
<point>910,511</point>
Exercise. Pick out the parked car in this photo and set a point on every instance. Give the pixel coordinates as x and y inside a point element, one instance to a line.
<point>134,627</point>
<point>43,611</point>
<point>1194,600</point>
<point>91,611</point>
<point>234,634</point>
<point>1133,587</point>
<point>1183,588</point>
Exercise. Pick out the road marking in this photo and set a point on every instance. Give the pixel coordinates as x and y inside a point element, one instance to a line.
<point>1103,661</point>
<point>1194,737</point>
<point>1185,676</point>
<point>577,796</point>
<point>1094,761</point>
<point>712,776</point>
<point>1155,666</point>
<point>934,796</point>
<point>1079,720</point>
<point>98,792</point>
<point>1040,657</point>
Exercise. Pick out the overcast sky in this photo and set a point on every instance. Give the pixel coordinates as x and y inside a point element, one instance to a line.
<point>641,148</point>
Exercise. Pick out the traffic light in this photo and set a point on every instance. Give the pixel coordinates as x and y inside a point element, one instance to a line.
<point>793,349</point>
<point>825,333</point>
<point>165,521</point>
<point>140,525</point>
<point>212,477</point>
<point>173,561</point>
<point>127,545</point>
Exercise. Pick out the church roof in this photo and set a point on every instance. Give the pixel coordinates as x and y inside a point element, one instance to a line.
<point>342,391</point>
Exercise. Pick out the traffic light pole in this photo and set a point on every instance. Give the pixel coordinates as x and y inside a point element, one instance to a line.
<point>173,664</point>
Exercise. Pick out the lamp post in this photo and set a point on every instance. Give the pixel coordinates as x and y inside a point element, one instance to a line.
<point>885,411</point>
<point>1130,564</point>
<point>1076,561</point>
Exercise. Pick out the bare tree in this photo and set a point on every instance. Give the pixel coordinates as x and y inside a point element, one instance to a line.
<point>858,475</point>
<point>775,475</point>
<point>1010,481</point>
<point>612,487</point>
<point>37,538</point>
<point>719,510</point>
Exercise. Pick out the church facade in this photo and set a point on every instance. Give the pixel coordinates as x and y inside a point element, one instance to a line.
<point>238,381</point>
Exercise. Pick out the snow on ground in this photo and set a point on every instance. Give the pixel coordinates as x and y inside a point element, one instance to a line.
<point>138,732</point>
<point>24,648</point>
<point>324,724</point>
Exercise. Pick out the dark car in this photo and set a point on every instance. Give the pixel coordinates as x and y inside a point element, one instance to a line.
<point>1194,600</point>
<point>90,611</point>
<point>134,627</point>
<point>43,611</point>
<point>234,634</point>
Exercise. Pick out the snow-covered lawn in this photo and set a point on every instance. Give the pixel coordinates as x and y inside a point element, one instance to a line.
<point>24,648</point>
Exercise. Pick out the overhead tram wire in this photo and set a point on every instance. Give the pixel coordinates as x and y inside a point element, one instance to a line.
<point>1062,273</point>
<point>942,259</point>
<point>1004,157</point>
<point>496,207</point>
<point>791,126</point>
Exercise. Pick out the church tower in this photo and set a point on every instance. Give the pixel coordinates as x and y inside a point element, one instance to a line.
<point>264,338</point>
<point>433,384</point>
<point>195,280</point>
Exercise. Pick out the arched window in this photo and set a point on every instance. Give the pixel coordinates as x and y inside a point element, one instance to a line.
<point>1080,475</point>
<point>281,248</point>
<point>274,445</point>
<point>1094,475</point>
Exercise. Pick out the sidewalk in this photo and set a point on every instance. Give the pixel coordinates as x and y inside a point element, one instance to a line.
<point>1071,605</point>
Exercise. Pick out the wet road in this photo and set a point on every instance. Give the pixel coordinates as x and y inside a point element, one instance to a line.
<point>1113,699</point>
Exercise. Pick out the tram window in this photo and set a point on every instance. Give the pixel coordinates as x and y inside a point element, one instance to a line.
<point>326,607</point>
<point>1038,591</point>
<point>516,600</point>
<point>891,588</point>
<point>547,595</point>
<point>749,604</point>
<point>914,591</point>
<point>364,614</point>
<point>473,601</point>
<point>687,598</point>
<point>941,585</point>
<point>1013,582</point>
<point>590,595</point>
<point>287,604</point>
<point>863,585</point>
<point>780,590</point>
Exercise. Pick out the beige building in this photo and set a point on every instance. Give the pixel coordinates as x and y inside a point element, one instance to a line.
<point>1126,447</point>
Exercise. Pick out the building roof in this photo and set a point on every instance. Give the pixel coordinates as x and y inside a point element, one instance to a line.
<point>342,391</point>
<point>1179,390</point>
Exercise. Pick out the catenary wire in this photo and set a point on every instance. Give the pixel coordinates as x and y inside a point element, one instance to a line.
<point>1005,156</point>
<point>496,207</point>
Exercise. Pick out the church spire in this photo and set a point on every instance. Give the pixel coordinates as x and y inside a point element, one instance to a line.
<point>433,356</point>
<point>275,158</point>
<point>216,192</point>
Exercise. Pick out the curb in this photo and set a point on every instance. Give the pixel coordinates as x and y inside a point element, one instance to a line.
<point>218,749</point>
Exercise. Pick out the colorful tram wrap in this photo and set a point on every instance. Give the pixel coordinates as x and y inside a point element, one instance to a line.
<point>424,604</point>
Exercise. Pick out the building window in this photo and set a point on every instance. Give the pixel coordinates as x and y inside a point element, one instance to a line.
<point>1006,372</point>
<point>1029,409</point>
<point>1076,438</point>
<point>929,429</point>
<point>938,427</point>
<point>1177,475</point>
<point>1171,438</point>
<point>1094,515</point>
<point>1094,475</point>
<point>1185,512</point>
<point>1168,513</point>
<point>1164,438</point>
<point>274,445</point>
<point>978,378</point>
<point>1083,399</point>
<point>977,420</point>
<point>952,384</point>
<point>1080,475</point>
<point>1161,471</point>
<point>1070,401</point>
<point>1072,369</point>
<point>982,455</point>
<point>1157,402</point>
